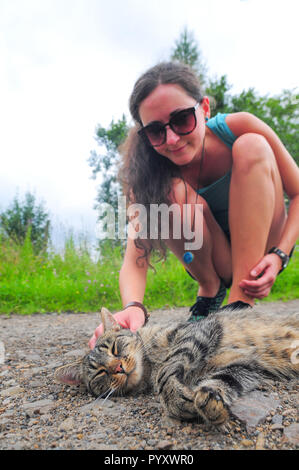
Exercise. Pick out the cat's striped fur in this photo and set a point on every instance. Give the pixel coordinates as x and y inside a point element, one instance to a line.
<point>198,369</point>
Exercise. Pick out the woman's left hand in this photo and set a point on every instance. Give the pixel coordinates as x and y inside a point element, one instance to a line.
<point>267,268</point>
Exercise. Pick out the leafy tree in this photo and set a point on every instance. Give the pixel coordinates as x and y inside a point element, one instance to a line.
<point>187,52</point>
<point>23,216</point>
<point>217,90</point>
<point>281,112</point>
<point>106,163</point>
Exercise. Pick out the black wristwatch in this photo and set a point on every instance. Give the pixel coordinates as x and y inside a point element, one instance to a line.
<point>283,256</point>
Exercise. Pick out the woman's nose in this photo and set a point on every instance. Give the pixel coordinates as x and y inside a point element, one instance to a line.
<point>171,137</point>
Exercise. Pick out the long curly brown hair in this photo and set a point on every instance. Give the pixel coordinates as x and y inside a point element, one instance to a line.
<point>146,175</point>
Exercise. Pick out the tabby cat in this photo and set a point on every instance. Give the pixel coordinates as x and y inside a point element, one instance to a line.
<point>197,369</point>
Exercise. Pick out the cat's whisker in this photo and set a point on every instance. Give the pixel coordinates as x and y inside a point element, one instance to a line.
<point>110,393</point>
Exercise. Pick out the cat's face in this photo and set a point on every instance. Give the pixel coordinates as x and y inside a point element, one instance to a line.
<point>115,364</point>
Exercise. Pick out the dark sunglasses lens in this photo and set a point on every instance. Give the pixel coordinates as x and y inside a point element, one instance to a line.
<point>183,122</point>
<point>155,134</point>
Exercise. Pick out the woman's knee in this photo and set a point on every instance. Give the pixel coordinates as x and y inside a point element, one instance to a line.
<point>250,150</point>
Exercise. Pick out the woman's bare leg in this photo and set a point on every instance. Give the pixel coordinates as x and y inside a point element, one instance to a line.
<point>212,261</point>
<point>256,208</point>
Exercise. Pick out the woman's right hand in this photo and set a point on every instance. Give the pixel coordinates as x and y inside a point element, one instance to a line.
<point>132,318</point>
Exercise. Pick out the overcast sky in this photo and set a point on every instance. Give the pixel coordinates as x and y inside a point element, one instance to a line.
<point>67,65</point>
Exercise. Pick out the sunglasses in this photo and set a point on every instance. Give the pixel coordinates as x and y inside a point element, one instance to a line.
<point>181,122</point>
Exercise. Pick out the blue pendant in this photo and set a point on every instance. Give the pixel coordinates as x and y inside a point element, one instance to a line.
<point>188,257</point>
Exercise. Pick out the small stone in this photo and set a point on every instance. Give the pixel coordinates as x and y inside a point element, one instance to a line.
<point>277,419</point>
<point>288,411</point>
<point>164,445</point>
<point>260,442</point>
<point>292,433</point>
<point>102,407</point>
<point>46,419</point>
<point>4,373</point>
<point>76,353</point>
<point>38,407</point>
<point>151,442</point>
<point>254,408</point>
<point>276,426</point>
<point>2,352</point>
<point>168,422</point>
<point>32,422</point>
<point>246,443</point>
<point>67,425</point>
<point>10,392</point>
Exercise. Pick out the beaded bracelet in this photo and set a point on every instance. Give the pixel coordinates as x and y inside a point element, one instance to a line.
<point>140,305</point>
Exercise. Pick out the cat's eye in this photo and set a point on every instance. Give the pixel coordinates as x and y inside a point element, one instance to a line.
<point>95,366</point>
<point>114,349</point>
<point>101,372</point>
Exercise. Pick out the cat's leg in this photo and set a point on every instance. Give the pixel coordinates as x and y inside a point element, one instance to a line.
<point>185,403</point>
<point>177,398</point>
<point>216,392</point>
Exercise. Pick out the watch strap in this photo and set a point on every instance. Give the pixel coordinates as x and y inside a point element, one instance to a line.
<point>282,255</point>
<point>140,305</point>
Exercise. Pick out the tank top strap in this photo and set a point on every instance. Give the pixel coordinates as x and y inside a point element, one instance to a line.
<point>219,127</point>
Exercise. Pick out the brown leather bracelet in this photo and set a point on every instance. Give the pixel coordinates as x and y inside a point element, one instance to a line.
<point>140,305</point>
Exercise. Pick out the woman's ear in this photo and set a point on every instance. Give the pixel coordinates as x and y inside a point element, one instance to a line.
<point>205,105</point>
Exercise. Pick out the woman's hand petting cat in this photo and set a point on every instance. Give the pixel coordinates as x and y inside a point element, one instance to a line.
<point>264,274</point>
<point>132,318</point>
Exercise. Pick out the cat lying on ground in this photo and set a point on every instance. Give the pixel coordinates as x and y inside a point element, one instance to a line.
<point>197,369</point>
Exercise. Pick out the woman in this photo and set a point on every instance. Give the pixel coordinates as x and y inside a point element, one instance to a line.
<point>234,165</point>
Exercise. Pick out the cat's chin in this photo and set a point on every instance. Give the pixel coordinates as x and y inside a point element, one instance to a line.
<point>135,375</point>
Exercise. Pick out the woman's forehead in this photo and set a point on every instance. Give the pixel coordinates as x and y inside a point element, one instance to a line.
<point>162,101</point>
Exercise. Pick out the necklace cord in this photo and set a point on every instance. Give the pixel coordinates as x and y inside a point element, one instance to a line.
<point>186,193</point>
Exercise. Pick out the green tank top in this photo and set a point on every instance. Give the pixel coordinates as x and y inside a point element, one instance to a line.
<point>217,193</point>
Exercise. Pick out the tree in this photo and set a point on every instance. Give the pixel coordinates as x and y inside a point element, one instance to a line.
<point>187,52</point>
<point>106,163</point>
<point>280,112</point>
<point>21,216</point>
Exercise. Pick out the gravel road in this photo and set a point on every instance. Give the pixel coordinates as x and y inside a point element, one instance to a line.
<point>36,413</point>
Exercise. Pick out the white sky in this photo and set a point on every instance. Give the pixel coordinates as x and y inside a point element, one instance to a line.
<point>67,65</point>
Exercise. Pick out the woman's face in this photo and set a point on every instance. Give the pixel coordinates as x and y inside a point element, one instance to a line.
<point>164,100</point>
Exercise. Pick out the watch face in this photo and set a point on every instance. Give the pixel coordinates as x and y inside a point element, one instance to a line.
<point>285,262</point>
<point>284,258</point>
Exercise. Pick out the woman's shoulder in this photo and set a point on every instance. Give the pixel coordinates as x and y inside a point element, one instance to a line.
<point>242,122</point>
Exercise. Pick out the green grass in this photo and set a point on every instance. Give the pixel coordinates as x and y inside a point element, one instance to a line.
<point>74,281</point>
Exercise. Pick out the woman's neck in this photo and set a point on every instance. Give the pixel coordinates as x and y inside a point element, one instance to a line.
<point>193,172</point>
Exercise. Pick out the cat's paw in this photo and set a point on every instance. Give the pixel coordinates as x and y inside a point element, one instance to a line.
<point>210,405</point>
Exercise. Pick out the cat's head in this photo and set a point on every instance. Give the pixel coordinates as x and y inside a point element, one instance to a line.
<point>115,363</point>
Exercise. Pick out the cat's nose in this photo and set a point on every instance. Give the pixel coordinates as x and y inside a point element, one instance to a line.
<point>119,367</point>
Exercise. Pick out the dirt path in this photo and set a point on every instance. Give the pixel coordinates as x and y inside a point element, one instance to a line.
<point>36,413</point>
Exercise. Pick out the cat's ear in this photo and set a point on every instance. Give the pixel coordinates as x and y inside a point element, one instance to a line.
<point>109,322</point>
<point>70,374</point>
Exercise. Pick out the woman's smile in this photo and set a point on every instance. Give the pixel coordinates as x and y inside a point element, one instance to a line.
<point>177,150</point>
